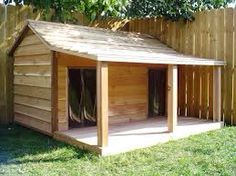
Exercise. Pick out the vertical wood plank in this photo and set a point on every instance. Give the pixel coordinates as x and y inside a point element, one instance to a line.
<point>184,37</point>
<point>185,91</point>
<point>177,36</point>
<point>212,31</point>
<point>220,34</point>
<point>102,103</point>
<point>228,103</point>
<point>189,38</point>
<point>54,92</point>
<point>193,93</point>
<point>190,91</point>
<point>207,93</point>
<point>197,34</point>
<point>217,94</point>
<point>234,71</point>
<point>173,35</point>
<point>172,97</point>
<point>158,28</point>
<point>181,91</point>
<point>207,34</point>
<point>204,92</point>
<point>196,91</point>
<point>210,70</point>
<point>200,93</point>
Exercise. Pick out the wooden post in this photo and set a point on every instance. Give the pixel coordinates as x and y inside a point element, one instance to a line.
<point>217,94</point>
<point>54,93</point>
<point>172,97</point>
<point>102,104</point>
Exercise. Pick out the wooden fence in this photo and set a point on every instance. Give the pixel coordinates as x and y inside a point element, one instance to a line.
<point>211,35</point>
<point>11,21</point>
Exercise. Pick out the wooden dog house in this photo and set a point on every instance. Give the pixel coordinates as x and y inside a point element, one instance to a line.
<point>45,52</point>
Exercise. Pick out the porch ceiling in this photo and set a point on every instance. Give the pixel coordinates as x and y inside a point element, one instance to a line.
<point>106,45</point>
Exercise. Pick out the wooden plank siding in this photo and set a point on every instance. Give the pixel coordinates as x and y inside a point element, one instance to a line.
<point>128,92</point>
<point>32,84</point>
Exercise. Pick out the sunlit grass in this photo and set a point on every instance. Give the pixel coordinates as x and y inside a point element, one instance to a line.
<point>25,152</point>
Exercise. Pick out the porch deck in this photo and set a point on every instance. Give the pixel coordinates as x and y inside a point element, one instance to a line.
<point>129,136</point>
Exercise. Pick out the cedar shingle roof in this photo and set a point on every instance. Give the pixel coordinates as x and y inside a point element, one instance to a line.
<point>106,45</point>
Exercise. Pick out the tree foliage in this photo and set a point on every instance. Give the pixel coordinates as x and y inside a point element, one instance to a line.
<point>93,9</point>
<point>63,9</point>
<point>172,9</point>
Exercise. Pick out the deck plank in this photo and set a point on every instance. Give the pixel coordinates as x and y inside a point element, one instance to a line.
<point>134,135</point>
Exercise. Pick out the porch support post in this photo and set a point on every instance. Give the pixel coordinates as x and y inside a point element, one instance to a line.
<point>102,104</point>
<point>217,94</point>
<point>172,97</point>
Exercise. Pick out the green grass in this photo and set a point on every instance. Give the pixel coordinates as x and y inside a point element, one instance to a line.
<point>24,152</point>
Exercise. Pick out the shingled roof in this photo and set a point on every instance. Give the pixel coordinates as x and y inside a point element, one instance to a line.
<point>106,45</point>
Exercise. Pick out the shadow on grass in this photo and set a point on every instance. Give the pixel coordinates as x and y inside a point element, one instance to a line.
<point>20,145</point>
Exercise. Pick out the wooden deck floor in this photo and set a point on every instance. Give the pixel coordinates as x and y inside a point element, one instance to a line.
<point>129,136</point>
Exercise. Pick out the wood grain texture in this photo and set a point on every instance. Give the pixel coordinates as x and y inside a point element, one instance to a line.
<point>44,59</point>
<point>62,98</point>
<point>54,94</point>
<point>217,94</point>
<point>102,104</point>
<point>128,91</point>
<point>172,98</point>
<point>28,50</point>
<point>38,81</point>
<point>32,84</point>
<point>34,112</point>
<point>31,91</point>
<point>36,124</point>
<point>33,102</point>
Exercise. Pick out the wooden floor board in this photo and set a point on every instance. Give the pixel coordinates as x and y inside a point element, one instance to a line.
<point>129,136</point>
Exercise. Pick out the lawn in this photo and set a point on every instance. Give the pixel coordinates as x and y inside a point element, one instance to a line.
<point>24,152</point>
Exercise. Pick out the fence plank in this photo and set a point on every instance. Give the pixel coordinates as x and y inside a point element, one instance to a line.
<point>229,59</point>
<point>197,35</point>
<point>212,34</point>
<point>196,91</point>
<point>181,88</point>
<point>234,71</point>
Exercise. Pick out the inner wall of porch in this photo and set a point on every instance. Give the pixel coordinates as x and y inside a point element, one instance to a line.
<point>128,90</point>
<point>195,91</point>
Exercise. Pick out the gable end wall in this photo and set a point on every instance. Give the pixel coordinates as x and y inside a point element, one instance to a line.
<point>32,84</point>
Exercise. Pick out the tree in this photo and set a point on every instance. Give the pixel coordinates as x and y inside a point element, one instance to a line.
<point>63,9</point>
<point>93,9</point>
<point>171,9</point>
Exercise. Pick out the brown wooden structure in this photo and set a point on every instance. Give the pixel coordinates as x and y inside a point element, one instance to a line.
<point>45,51</point>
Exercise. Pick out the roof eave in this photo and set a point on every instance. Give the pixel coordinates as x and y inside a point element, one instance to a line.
<point>158,61</point>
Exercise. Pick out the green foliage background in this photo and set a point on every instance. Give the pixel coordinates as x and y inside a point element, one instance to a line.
<point>94,9</point>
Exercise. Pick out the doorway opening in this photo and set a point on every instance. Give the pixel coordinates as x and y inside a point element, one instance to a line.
<point>157,92</point>
<point>82,97</point>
